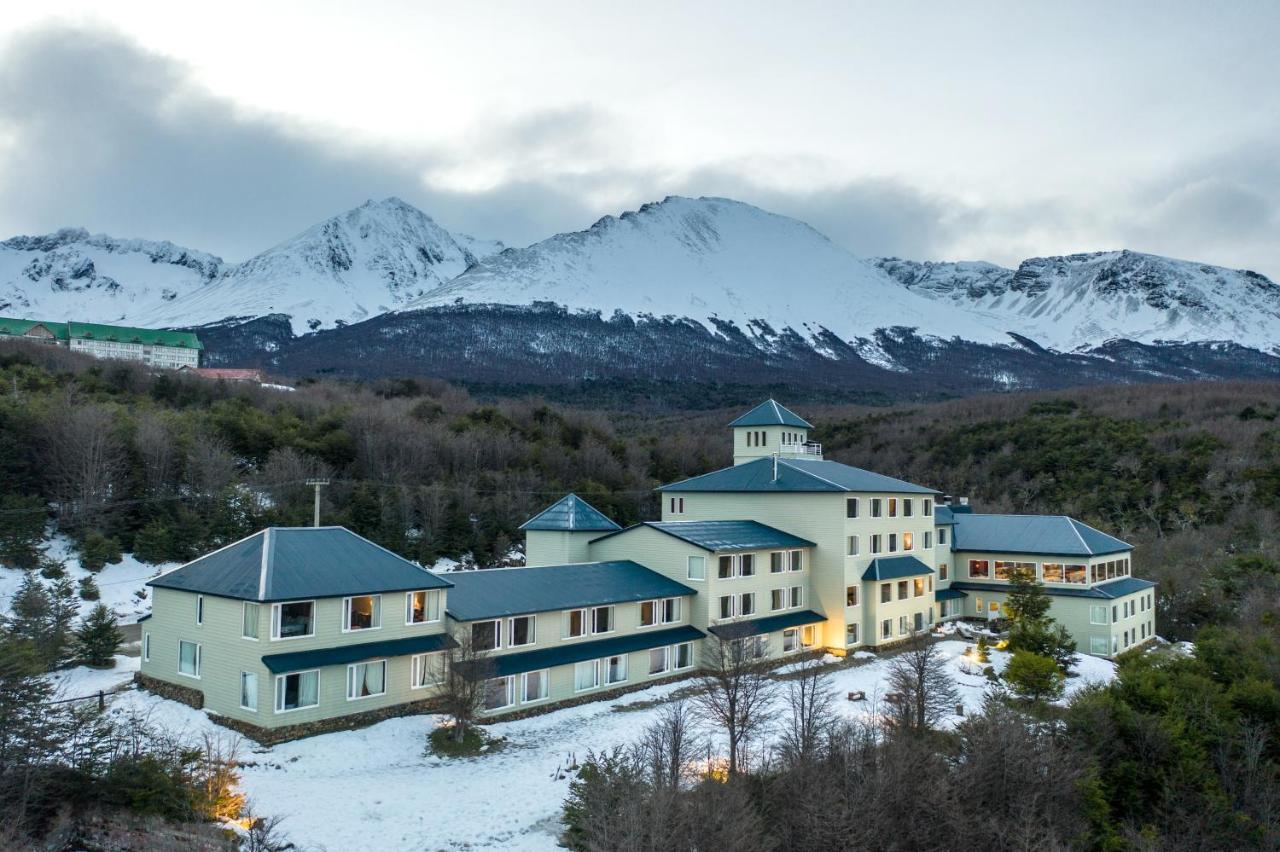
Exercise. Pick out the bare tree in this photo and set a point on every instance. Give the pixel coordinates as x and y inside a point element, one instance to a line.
<point>809,697</point>
<point>467,670</point>
<point>669,746</point>
<point>924,692</point>
<point>156,449</point>
<point>737,689</point>
<point>86,458</point>
<point>210,466</point>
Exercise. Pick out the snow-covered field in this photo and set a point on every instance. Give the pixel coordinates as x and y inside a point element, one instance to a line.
<point>118,584</point>
<point>376,789</point>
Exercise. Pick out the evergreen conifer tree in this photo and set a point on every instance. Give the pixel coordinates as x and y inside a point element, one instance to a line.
<point>98,637</point>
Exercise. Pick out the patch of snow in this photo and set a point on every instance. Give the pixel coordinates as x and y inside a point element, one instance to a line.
<point>85,681</point>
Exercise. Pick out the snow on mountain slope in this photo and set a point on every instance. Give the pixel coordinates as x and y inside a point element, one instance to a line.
<point>360,264</point>
<point>1082,300</point>
<point>709,259</point>
<point>71,275</point>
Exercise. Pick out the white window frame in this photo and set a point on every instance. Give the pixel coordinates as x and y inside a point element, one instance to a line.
<point>791,635</point>
<point>613,620</point>
<point>497,632</point>
<point>795,560</point>
<point>420,664</point>
<point>702,560</point>
<point>653,611</point>
<point>926,506</point>
<point>675,656</point>
<point>741,609</point>
<point>908,541</point>
<point>199,610</point>
<point>256,697</point>
<point>199,661</point>
<point>545,680</point>
<point>279,691</point>
<point>666,661</point>
<point>146,647</point>
<point>595,675</point>
<point>426,607</point>
<point>584,618</point>
<point>733,607</point>
<point>351,671</point>
<point>852,546</point>
<point>928,540</point>
<point>511,631</point>
<point>795,597</point>
<point>346,614</point>
<point>257,620</point>
<point>276,620</point>
<point>604,670</point>
<point>676,607</point>
<point>942,536</point>
<point>886,628</point>
<point>509,690</point>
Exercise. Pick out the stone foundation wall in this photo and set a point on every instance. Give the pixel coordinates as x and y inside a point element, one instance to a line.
<point>185,694</point>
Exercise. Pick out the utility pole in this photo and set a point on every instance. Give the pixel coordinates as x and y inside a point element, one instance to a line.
<point>317,484</point>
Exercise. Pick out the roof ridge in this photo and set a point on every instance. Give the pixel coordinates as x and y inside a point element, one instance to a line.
<point>385,550</point>
<point>265,565</point>
<point>811,474</point>
<point>219,550</point>
<point>536,567</point>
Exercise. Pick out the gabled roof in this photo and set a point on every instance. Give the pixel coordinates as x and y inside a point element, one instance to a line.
<point>770,413</point>
<point>296,563</point>
<point>723,536</point>
<point>570,514</point>
<point>767,624</point>
<point>338,655</point>
<point>128,334</point>
<point>895,568</point>
<point>498,592</point>
<point>795,475</point>
<point>1043,534</point>
<point>501,665</point>
<point>1105,591</point>
<point>20,327</point>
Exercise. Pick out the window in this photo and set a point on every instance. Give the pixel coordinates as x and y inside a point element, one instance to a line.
<point>1076,573</point>
<point>725,569</point>
<point>893,507</point>
<point>853,545</point>
<point>602,619</point>
<point>677,505</point>
<point>908,541</point>
<point>979,568</point>
<point>697,567</point>
<point>658,659</point>
<point>747,565</point>
<point>907,508</point>
<point>796,596</point>
<point>851,507</point>
<point>851,596</point>
<point>886,629</point>
<point>726,606</point>
<point>363,612</point>
<point>903,630</point>
<point>188,658</point>
<point>977,606</point>
<point>748,648</point>
<point>1005,570</point>
<point>875,507</point>
<point>919,587</point>
<point>928,540</point>
<point>903,593</point>
<point>926,507</point>
<point>535,686</point>
<point>670,610</point>
<point>577,625</point>
<point>1115,613</point>
<point>778,599</point>
<point>777,562</point>
<point>666,611</point>
<point>520,631</point>
<point>796,562</point>
<point>893,542</point>
<point>684,655</point>
<point>365,680</point>
<point>199,610</point>
<point>1051,572</point>
<point>648,613</point>
<point>422,607</point>
<point>615,669</point>
<point>886,592</point>
<point>942,570</point>
<point>875,543</point>
<point>146,647</point>
<point>747,604</point>
<point>249,618</point>
<point>919,621</point>
<point>790,640</point>
<point>808,636</point>
<point>486,635</point>
<point>499,692</point>
<point>851,634</point>
<point>586,675</point>
<point>297,690</point>
<point>942,536</point>
<point>426,670</point>
<point>249,691</point>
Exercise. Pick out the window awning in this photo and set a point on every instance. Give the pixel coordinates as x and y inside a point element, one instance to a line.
<point>949,594</point>
<point>768,624</point>
<point>895,568</point>
<point>501,665</point>
<point>343,654</point>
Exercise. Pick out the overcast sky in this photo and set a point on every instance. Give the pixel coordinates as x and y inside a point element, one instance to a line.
<point>932,131</point>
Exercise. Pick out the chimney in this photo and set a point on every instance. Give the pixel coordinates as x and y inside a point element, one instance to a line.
<point>964,501</point>
<point>946,499</point>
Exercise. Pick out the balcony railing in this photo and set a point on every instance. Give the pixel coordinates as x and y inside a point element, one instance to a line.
<point>808,448</point>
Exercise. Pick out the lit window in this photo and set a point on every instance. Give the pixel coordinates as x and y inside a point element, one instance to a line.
<point>362,613</point>
<point>851,596</point>
<point>422,607</point>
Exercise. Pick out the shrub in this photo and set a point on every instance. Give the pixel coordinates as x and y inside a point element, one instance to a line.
<point>97,550</point>
<point>1034,677</point>
<point>89,588</point>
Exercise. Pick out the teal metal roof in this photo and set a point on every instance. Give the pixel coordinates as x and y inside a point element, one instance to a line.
<point>942,516</point>
<point>724,536</point>
<point>341,655</point>
<point>767,624</point>
<point>949,595</point>
<point>895,568</point>
<point>296,563</point>
<point>498,592</point>
<point>1044,534</point>
<point>502,665</point>
<point>1106,591</point>
<point>795,475</point>
<point>570,514</point>
<point>770,413</point>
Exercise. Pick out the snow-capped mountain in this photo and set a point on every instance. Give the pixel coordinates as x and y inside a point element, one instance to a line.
<point>714,261</point>
<point>71,274</point>
<point>1080,301</point>
<point>362,263</point>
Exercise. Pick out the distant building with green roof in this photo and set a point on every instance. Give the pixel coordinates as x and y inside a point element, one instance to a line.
<point>169,350</point>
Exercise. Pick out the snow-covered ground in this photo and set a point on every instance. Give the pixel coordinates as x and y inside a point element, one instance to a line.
<point>376,789</point>
<point>83,681</point>
<point>118,584</point>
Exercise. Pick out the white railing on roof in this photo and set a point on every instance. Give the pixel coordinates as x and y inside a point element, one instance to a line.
<point>808,448</point>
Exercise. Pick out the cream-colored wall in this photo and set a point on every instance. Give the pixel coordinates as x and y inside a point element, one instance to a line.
<point>876,611</point>
<point>225,654</point>
<point>1073,613</point>
<point>773,439</point>
<point>547,547</point>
